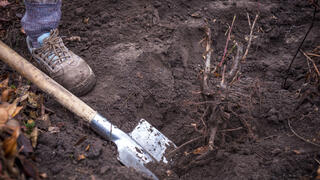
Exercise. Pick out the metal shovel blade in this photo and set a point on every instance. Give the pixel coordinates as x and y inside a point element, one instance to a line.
<point>143,145</point>
<point>152,140</point>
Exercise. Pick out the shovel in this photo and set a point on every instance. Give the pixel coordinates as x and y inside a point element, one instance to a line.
<point>145,144</point>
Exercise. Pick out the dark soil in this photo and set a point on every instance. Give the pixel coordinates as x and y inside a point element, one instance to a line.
<point>147,58</point>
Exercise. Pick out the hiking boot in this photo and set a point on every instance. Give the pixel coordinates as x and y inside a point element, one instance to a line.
<point>61,64</point>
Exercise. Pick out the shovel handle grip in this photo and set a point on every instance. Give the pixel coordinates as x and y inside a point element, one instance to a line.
<point>45,83</point>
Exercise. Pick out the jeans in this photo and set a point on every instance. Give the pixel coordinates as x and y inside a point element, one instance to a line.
<point>40,17</point>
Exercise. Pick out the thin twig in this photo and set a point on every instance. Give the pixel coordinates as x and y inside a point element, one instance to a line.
<point>230,130</point>
<point>250,38</point>
<point>300,137</point>
<point>223,84</point>
<point>249,22</point>
<point>227,42</point>
<point>314,64</point>
<point>183,145</point>
<point>309,68</point>
<point>313,54</point>
<point>202,118</point>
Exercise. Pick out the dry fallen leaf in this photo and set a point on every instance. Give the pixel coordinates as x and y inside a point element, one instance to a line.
<point>81,157</point>
<point>86,20</point>
<point>8,110</point>
<point>186,153</point>
<point>53,129</point>
<point>43,175</point>
<point>201,150</point>
<point>22,30</point>
<point>12,107</point>
<point>297,151</point>
<point>10,144</point>
<point>17,110</point>
<point>139,75</point>
<point>4,83</point>
<point>74,38</point>
<point>196,14</point>
<point>33,114</point>
<point>169,172</point>
<point>193,124</point>
<point>87,148</point>
<point>4,116</point>
<point>34,99</point>
<point>5,94</point>
<point>21,91</point>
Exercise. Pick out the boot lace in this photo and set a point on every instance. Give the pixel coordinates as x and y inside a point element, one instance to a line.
<point>53,51</point>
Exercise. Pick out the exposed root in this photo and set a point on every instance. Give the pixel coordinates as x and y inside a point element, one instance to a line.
<point>251,35</point>
<point>313,63</point>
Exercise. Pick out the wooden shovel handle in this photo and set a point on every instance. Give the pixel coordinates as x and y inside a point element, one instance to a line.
<point>45,83</point>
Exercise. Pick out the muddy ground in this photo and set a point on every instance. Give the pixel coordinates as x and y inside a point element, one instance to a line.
<point>148,59</point>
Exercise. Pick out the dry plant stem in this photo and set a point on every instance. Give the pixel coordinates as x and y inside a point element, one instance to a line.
<point>235,64</point>
<point>309,68</point>
<point>183,145</point>
<point>230,130</point>
<point>235,77</point>
<point>207,71</point>
<point>250,37</point>
<point>223,82</point>
<point>249,22</point>
<point>213,132</point>
<point>208,59</point>
<point>313,54</point>
<point>227,42</point>
<point>314,64</point>
<point>300,137</point>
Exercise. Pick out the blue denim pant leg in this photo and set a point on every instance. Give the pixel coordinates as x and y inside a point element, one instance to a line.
<point>40,17</point>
